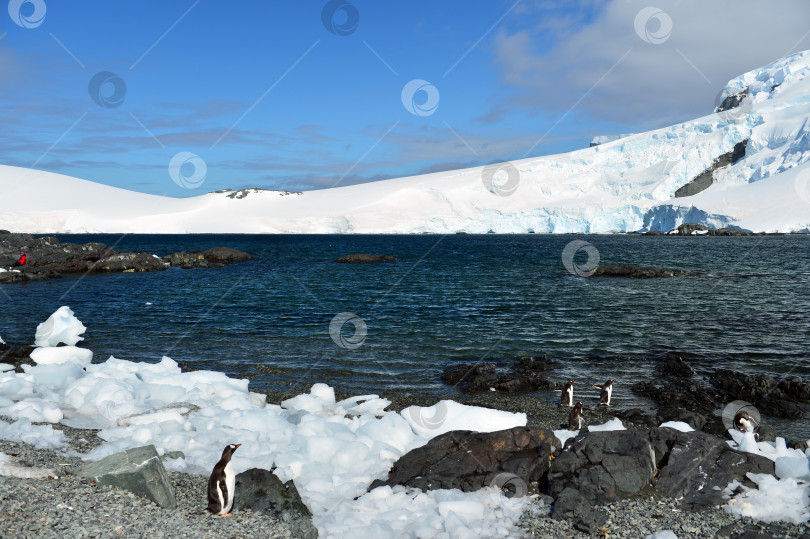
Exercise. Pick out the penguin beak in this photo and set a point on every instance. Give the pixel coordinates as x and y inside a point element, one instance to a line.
<point>238,445</point>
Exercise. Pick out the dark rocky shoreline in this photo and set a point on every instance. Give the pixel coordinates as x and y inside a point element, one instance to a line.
<point>48,258</point>
<point>577,490</point>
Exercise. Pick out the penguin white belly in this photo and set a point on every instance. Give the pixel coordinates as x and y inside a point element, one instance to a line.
<point>570,396</point>
<point>230,483</point>
<point>609,394</point>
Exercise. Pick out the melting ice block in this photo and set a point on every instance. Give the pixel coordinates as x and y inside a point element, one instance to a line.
<point>62,326</point>
<point>446,416</point>
<point>796,467</point>
<point>62,354</point>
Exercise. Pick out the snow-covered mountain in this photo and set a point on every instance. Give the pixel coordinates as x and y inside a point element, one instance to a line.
<point>754,158</point>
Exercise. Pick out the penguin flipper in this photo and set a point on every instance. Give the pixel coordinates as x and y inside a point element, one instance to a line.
<point>214,504</point>
<point>597,387</point>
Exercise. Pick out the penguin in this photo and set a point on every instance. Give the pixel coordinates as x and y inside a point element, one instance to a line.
<point>606,393</point>
<point>575,417</point>
<point>567,397</point>
<point>221,484</point>
<point>743,422</point>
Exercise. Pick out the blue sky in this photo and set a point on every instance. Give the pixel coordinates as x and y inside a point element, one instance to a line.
<point>266,96</point>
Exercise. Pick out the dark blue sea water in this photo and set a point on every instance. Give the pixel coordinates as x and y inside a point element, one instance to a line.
<point>447,299</point>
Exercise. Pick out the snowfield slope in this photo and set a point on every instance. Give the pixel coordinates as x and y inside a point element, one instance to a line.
<point>621,186</point>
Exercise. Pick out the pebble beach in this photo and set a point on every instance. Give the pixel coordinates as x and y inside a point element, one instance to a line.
<point>69,506</point>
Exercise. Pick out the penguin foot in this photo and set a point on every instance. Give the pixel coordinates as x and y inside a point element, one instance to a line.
<point>227,515</point>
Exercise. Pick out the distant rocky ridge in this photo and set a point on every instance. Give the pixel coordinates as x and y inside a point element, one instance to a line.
<point>48,258</point>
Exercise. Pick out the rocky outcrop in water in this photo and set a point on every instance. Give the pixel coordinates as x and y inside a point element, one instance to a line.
<point>684,396</point>
<point>48,258</point>
<point>695,229</point>
<point>629,271</point>
<point>365,259</point>
<point>210,258</point>
<point>773,397</point>
<point>527,375</point>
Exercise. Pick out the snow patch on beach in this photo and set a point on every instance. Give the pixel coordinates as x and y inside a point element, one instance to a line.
<point>332,450</point>
<point>10,467</point>
<point>784,497</point>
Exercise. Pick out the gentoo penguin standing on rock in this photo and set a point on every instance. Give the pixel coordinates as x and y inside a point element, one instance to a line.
<point>221,484</point>
<point>575,417</point>
<point>606,393</point>
<point>567,397</point>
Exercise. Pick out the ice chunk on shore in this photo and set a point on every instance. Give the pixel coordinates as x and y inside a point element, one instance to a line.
<point>10,467</point>
<point>795,467</point>
<point>786,500</point>
<point>564,434</point>
<point>677,425</point>
<point>663,534</point>
<point>447,415</point>
<point>613,424</point>
<point>61,327</point>
<point>40,436</point>
<point>747,443</point>
<point>62,354</point>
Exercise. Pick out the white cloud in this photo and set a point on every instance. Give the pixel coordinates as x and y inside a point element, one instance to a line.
<point>640,84</point>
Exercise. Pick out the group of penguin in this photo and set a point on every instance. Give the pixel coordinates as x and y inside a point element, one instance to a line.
<point>222,483</point>
<point>567,399</point>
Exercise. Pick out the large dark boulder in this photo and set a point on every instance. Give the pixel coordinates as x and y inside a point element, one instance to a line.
<point>697,466</point>
<point>261,490</point>
<point>365,259</point>
<point>572,506</point>
<point>471,460</point>
<point>603,467</point>
<point>137,470</point>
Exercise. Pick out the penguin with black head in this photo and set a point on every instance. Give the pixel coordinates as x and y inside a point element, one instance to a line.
<point>606,393</point>
<point>222,484</point>
<point>575,417</point>
<point>567,397</point>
